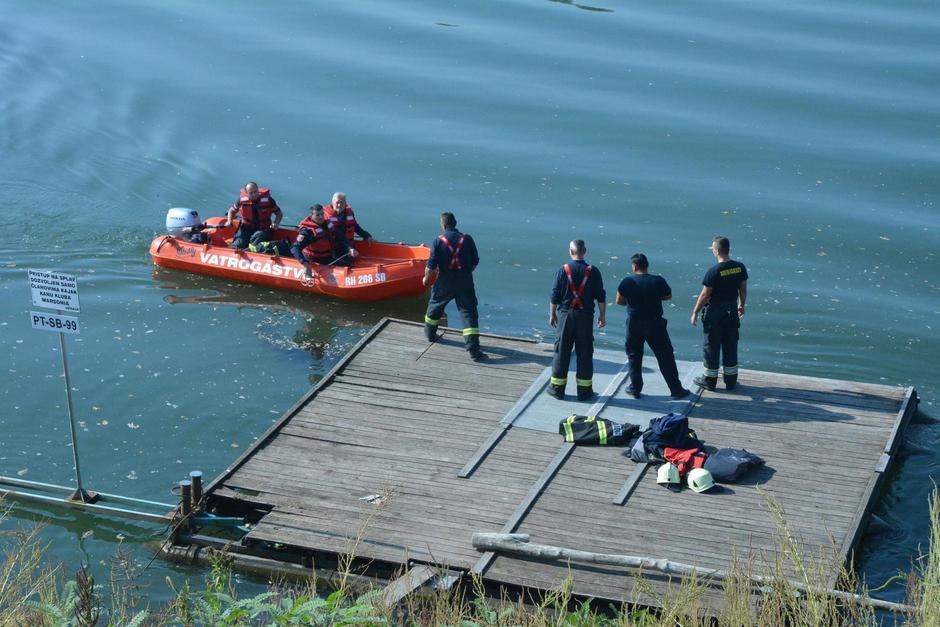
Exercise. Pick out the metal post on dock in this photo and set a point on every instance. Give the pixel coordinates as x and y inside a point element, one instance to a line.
<point>195,478</point>
<point>186,503</point>
<point>80,494</point>
<point>186,497</point>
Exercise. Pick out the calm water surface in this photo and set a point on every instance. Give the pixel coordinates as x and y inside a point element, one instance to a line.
<point>809,134</point>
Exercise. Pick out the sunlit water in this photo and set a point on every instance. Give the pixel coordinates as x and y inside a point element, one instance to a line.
<point>805,132</point>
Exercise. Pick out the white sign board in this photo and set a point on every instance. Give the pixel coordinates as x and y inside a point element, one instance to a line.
<point>54,290</point>
<point>54,322</point>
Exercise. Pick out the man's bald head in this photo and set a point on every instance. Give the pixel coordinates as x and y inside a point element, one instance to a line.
<point>251,188</point>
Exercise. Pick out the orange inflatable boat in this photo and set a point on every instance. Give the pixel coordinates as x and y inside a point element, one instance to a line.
<point>380,271</point>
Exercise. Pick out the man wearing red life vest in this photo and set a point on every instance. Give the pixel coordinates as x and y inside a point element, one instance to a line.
<point>316,242</point>
<point>258,213</point>
<point>345,219</point>
<point>454,257</point>
<point>577,285</point>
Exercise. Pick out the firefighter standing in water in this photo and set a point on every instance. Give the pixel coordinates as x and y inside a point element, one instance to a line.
<point>454,256</point>
<point>721,301</point>
<point>577,285</point>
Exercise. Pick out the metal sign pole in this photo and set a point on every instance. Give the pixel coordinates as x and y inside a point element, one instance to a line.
<point>80,494</point>
<point>58,291</point>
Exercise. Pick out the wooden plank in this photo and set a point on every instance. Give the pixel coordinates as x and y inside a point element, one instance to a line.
<point>630,484</point>
<point>406,584</point>
<point>534,390</point>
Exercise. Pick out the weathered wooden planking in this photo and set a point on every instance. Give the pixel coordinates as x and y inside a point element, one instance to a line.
<point>866,503</point>
<point>404,414</point>
<point>536,387</point>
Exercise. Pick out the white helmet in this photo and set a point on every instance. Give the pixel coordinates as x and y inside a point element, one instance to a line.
<point>700,480</point>
<point>668,475</point>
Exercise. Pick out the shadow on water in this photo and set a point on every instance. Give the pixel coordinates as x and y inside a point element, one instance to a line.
<point>101,528</point>
<point>323,318</point>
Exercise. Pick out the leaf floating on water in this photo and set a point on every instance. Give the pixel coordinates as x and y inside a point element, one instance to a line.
<point>234,444</point>
<point>887,239</point>
<point>132,475</point>
<point>821,253</point>
<point>133,425</point>
<point>88,534</point>
<point>103,423</point>
<point>22,472</point>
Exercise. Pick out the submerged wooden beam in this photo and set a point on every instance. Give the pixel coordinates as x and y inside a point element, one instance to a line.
<point>407,583</point>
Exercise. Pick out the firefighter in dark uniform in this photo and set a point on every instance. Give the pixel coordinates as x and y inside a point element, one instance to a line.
<point>571,309</point>
<point>258,213</point>
<point>721,302</point>
<point>454,257</point>
<point>643,294</point>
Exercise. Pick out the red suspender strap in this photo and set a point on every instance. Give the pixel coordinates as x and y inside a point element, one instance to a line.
<point>577,292</point>
<point>454,252</point>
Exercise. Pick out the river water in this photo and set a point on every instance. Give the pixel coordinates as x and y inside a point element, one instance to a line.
<point>806,132</point>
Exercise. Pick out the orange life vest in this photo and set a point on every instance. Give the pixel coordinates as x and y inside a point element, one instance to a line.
<point>346,222</point>
<point>257,215</point>
<point>321,246</point>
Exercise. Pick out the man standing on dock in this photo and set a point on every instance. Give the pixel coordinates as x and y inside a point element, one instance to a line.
<point>643,294</point>
<point>254,208</point>
<point>454,257</point>
<point>571,309</point>
<point>721,302</point>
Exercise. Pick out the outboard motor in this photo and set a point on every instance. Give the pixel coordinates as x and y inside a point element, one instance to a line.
<point>180,221</point>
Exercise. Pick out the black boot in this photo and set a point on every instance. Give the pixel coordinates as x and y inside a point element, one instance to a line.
<point>680,393</point>
<point>558,391</point>
<point>731,381</point>
<point>709,383</point>
<point>585,393</point>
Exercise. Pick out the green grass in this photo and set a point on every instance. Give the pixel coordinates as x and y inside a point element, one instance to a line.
<point>792,593</point>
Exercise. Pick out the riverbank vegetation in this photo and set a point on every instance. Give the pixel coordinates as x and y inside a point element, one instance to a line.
<point>791,591</point>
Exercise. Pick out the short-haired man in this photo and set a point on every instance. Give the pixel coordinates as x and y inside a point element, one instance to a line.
<point>255,207</point>
<point>721,301</point>
<point>454,257</point>
<point>315,242</point>
<point>341,212</point>
<point>571,309</point>
<point>643,294</point>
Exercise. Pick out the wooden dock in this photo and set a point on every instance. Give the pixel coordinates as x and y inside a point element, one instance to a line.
<point>407,448</point>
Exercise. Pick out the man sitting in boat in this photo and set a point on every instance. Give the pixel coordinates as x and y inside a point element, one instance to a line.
<point>345,219</point>
<point>255,208</point>
<point>319,242</point>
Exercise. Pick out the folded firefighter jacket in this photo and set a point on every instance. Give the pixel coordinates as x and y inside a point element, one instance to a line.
<point>594,431</point>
